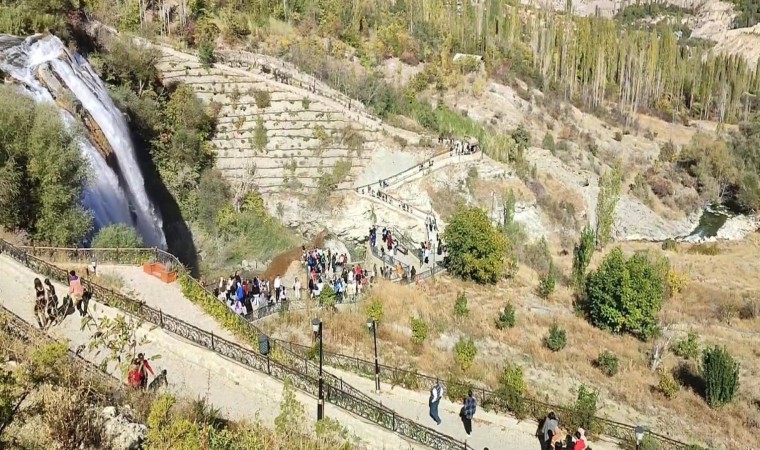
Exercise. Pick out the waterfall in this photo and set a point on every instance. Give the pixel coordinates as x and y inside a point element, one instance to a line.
<point>114,194</point>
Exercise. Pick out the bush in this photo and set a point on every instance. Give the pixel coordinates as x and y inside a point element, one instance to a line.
<point>457,389</point>
<point>608,363</point>
<point>668,386</point>
<point>262,98</point>
<point>704,249</point>
<point>670,245</point>
<point>667,152</point>
<point>506,317</point>
<point>556,340</point>
<point>206,54</point>
<point>460,306</point>
<point>721,374</point>
<point>687,348</point>
<point>618,136</point>
<point>375,309</point>
<point>512,389</point>
<point>676,282</point>
<point>548,142</point>
<point>625,295</point>
<point>546,284</point>
<point>583,412</point>
<point>328,297</point>
<point>117,235</point>
<point>464,352</point>
<point>582,254</point>
<point>419,330</point>
<point>476,248</point>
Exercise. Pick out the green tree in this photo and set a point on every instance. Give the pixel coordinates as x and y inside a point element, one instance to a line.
<point>522,137</point>
<point>506,317</point>
<point>477,250</point>
<point>556,340</point>
<point>206,53</point>
<point>42,173</point>
<point>117,235</point>
<point>547,283</point>
<point>465,352</point>
<point>721,374</point>
<point>610,184</point>
<point>509,209</point>
<point>460,306</point>
<point>582,254</point>
<point>625,295</point>
<point>548,142</point>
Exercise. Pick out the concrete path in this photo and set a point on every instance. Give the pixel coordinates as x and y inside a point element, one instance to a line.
<point>490,430</point>
<point>240,393</point>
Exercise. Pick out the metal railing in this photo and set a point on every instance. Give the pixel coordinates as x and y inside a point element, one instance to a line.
<point>283,364</point>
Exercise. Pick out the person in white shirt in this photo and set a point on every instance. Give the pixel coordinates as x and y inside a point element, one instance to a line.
<point>436,393</point>
<point>297,289</point>
<point>277,288</point>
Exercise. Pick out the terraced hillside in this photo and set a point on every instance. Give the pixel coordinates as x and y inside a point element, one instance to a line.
<point>278,128</point>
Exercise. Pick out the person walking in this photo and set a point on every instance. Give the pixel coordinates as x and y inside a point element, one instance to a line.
<point>40,303</point>
<point>144,367</point>
<point>277,288</point>
<point>467,412</point>
<point>436,393</point>
<point>52,301</point>
<point>76,290</point>
<point>297,289</point>
<point>549,431</point>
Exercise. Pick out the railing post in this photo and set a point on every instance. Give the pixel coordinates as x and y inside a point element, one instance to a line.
<point>393,423</point>
<point>212,341</point>
<point>161,317</point>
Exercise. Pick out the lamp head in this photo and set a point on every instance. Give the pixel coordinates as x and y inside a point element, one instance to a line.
<point>639,431</point>
<point>315,323</point>
<point>370,323</point>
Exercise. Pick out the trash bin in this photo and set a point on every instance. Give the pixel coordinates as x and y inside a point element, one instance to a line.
<point>264,344</point>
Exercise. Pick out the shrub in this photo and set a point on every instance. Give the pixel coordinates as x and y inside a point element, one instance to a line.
<point>476,248</point>
<point>206,54</point>
<point>583,412</point>
<point>512,389</point>
<point>721,375</point>
<point>667,152</point>
<point>556,340</point>
<point>419,330</point>
<point>456,389</point>
<point>687,348</point>
<point>260,135</point>
<point>608,363</point>
<point>506,317</point>
<point>375,309</point>
<point>704,249</point>
<point>460,306</point>
<point>548,142</point>
<point>625,295</point>
<point>618,136</point>
<point>262,98</point>
<point>582,254</point>
<point>464,352</point>
<point>750,309</point>
<point>610,185</point>
<point>670,245</point>
<point>305,103</point>
<point>668,386</point>
<point>117,235</point>
<point>546,284</point>
<point>676,282</point>
<point>521,136</point>
<point>328,297</point>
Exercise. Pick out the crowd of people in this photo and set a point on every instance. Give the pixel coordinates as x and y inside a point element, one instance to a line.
<point>327,267</point>
<point>244,296</point>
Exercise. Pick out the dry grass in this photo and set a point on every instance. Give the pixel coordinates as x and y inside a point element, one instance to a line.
<point>630,396</point>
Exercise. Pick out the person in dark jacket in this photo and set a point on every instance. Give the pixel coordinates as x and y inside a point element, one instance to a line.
<point>467,412</point>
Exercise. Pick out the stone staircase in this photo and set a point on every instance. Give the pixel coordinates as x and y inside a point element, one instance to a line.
<point>282,132</point>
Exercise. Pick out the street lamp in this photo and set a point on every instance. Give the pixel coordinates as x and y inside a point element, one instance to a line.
<point>372,325</point>
<point>639,431</point>
<point>316,326</point>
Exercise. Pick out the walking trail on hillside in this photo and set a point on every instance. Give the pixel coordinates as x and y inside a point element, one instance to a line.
<point>489,430</point>
<point>194,372</point>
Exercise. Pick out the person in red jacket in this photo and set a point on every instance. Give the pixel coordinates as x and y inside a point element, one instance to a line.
<point>580,440</point>
<point>144,369</point>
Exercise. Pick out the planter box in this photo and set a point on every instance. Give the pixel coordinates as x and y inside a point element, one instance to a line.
<point>159,271</point>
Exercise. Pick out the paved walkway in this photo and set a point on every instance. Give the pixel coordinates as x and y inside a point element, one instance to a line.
<point>490,430</point>
<point>240,393</point>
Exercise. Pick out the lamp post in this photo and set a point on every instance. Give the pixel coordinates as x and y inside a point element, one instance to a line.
<point>372,325</point>
<point>316,326</point>
<point>639,431</point>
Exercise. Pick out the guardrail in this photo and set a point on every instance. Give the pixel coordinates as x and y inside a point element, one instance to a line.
<point>336,391</point>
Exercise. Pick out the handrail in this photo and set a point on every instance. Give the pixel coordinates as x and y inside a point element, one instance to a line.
<point>368,409</point>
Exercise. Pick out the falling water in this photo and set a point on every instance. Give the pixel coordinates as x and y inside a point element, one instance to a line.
<point>112,199</point>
